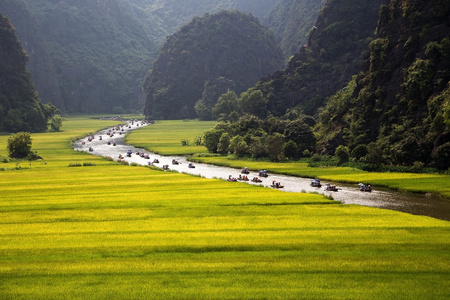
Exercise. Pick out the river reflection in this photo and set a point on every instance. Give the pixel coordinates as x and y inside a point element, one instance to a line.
<point>420,204</point>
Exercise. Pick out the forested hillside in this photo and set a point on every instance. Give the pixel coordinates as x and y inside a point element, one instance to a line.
<point>92,56</point>
<point>292,21</point>
<point>334,53</point>
<point>230,48</point>
<point>97,56</point>
<point>397,110</point>
<point>20,106</point>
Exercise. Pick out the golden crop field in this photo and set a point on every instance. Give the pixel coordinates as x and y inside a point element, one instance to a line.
<point>111,231</point>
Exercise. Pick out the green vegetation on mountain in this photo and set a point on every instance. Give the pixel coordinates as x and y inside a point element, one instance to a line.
<point>229,47</point>
<point>291,21</point>
<point>89,55</point>
<point>20,106</point>
<point>334,53</point>
<point>396,110</point>
<point>92,56</point>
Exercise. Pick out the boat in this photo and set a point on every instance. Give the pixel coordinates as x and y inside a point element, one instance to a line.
<point>191,165</point>
<point>316,183</point>
<point>243,178</point>
<point>276,185</point>
<point>256,179</point>
<point>331,188</point>
<point>175,162</point>
<point>166,167</point>
<point>263,173</point>
<point>231,178</point>
<point>156,161</point>
<point>365,187</point>
<point>245,171</point>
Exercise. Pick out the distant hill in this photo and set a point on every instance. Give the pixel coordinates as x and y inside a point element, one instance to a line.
<point>292,21</point>
<point>89,56</point>
<point>334,53</point>
<point>228,45</point>
<point>397,108</point>
<point>92,56</point>
<point>20,106</point>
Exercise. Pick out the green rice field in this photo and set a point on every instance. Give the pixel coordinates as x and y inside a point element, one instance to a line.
<point>112,231</point>
<point>164,137</point>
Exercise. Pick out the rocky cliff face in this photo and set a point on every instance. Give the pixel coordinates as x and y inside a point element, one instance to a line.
<point>228,45</point>
<point>20,106</point>
<point>291,21</point>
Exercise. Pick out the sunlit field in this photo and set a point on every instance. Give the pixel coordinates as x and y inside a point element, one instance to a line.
<point>111,231</point>
<point>164,137</point>
<point>174,131</point>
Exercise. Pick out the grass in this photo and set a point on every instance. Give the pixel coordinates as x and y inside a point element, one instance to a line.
<point>112,231</point>
<point>164,137</point>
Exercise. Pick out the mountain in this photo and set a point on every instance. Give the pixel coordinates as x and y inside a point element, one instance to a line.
<point>92,56</point>
<point>88,56</point>
<point>397,110</point>
<point>20,106</point>
<point>291,21</point>
<point>229,46</point>
<point>334,53</point>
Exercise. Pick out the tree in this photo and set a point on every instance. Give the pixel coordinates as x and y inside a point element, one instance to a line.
<point>254,103</point>
<point>19,145</point>
<point>56,123</point>
<point>238,145</point>
<point>203,112</point>
<point>224,143</point>
<point>291,149</point>
<point>275,146</point>
<point>211,139</point>
<point>226,104</point>
<point>342,153</point>
<point>299,132</point>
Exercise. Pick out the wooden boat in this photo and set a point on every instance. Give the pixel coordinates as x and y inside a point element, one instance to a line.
<point>316,183</point>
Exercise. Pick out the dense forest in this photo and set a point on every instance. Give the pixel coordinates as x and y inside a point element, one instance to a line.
<point>334,53</point>
<point>229,50</point>
<point>20,106</point>
<point>396,111</point>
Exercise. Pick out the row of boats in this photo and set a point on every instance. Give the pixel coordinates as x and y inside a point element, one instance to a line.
<point>332,188</point>
<point>314,183</point>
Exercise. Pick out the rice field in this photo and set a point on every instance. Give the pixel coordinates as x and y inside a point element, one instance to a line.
<point>164,137</point>
<point>111,231</point>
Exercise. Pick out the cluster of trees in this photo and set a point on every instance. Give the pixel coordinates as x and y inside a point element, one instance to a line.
<point>20,106</point>
<point>275,138</point>
<point>208,56</point>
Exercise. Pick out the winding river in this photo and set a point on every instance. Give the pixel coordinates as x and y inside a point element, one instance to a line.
<point>419,204</point>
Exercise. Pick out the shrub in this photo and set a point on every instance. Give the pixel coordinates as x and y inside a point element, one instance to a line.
<point>19,145</point>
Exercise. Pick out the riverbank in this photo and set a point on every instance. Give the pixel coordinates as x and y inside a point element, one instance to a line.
<point>150,137</point>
